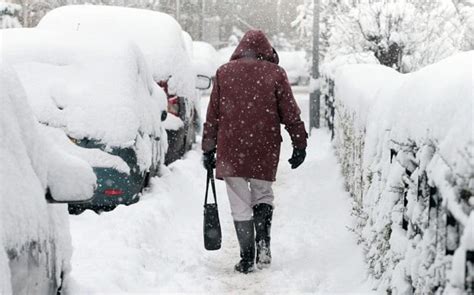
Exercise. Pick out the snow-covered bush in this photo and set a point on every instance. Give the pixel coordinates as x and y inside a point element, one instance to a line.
<point>405,144</point>
<point>9,15</point>
<point>31,231</point>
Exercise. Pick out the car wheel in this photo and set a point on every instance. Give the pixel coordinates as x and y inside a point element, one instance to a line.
<point>133,201</point>
<point>75,210</point>
<point>146,182</point>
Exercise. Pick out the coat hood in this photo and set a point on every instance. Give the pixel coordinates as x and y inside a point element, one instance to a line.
<point>255,44</point>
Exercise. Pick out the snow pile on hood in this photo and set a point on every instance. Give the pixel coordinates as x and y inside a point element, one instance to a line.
<point>204,58</point>
<point>158,35</point>
<point>90,88</point>
<point>29,165</point>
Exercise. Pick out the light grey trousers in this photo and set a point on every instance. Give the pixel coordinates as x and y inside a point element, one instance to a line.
<point>244,193</point>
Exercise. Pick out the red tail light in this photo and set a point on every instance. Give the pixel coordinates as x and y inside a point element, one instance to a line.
<point>173,105</point>
<point>113,192</point>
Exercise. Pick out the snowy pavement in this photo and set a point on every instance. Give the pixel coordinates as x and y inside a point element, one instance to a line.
<point>156,245</point>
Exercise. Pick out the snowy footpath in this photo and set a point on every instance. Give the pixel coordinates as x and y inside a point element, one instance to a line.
<point>156,245</point>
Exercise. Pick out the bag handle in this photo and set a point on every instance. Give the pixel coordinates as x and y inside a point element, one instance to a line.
<point>210,178</point>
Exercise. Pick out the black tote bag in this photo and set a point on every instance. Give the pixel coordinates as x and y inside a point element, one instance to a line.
<point>212,226</point>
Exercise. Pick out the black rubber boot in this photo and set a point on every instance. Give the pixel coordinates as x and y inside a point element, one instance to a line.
<point>246,237</point>
<point>262,216</point>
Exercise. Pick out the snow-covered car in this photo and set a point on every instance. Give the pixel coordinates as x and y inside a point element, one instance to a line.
<point>296,66</point>
<point>224,54</point>
<point>101,95</point>
<point>35,243</point>
<point>160,38</point>
<point>205,59</point>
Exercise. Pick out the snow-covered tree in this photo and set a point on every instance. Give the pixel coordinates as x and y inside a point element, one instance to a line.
<point>403,34</point>
<point>465,10</point>
<point>9,15</point>
<point>281,42</point>
<point>303,23</point>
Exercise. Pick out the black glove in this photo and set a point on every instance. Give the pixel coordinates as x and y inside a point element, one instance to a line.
<point>209,160</point>
<point>297,158</point>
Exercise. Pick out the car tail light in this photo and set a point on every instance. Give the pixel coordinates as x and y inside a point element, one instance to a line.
<point>173,105</point>
<point>113,192</point>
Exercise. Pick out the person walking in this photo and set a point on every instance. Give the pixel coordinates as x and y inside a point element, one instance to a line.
<point>251,97</point>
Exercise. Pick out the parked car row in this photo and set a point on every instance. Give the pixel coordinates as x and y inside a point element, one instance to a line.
<point>116,79</point>
<point>94,100</point>
<point>165,48</point>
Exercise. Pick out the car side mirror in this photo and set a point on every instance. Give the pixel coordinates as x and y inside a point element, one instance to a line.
<point>203,82</point>
<point>70,179</point>
<point>51,200</point>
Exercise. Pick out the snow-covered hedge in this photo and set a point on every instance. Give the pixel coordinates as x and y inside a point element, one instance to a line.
<point>405,144</point>
<point>328,71</point>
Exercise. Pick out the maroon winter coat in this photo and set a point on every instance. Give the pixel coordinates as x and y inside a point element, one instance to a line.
<point>250,98</point>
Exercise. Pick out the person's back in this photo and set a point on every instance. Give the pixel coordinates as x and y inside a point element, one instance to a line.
<point>254,98</point>
<point>251,97</point>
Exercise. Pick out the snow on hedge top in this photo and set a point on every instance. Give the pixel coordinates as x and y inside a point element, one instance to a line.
<point>329,68</point>
<point>436,103</point>
<point>158,35</point>
<point>432,104</point>
<point>358,86</point>
<point>30,163</point>
<point>99,89</point>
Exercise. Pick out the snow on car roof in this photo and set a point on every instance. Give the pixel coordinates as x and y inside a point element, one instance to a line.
<point>205,58</point>
<point>99,89</point>
<point>203,50</point>
<point>158,35</point>
<point>224,54</point>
